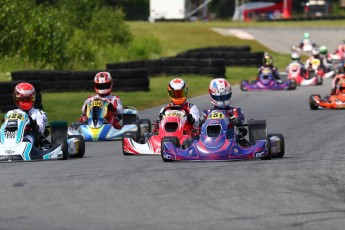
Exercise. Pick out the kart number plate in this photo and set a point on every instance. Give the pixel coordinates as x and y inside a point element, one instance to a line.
<point>216,115</point>
<point>97,104</point>
<point>15,116</point>
<point>175,114</point>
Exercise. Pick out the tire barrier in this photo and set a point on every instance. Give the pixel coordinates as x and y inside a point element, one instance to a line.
<point>6,94</point>
<point>135,79</point>
<point>178,66</point>
<point>231,58</point>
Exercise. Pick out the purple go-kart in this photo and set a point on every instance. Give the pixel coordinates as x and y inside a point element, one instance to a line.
<point>267,82</point>
<point>213,143</point>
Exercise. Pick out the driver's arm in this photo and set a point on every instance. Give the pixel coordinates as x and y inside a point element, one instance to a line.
<point>195,113</point>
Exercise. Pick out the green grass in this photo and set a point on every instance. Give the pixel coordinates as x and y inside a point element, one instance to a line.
<point>174,38</point>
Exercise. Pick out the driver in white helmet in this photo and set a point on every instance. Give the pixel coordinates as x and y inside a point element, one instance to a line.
<point>178,91</point>
<point>220,93</point>
<point>315,55</point>
<point>24,95</point>
<point>103,84</point>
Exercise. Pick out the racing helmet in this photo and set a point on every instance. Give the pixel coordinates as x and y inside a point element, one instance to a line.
<point>220,93</point>
<point>267,60</point>
<point>24,96</point>
<point>295,57</point>
<point>103,83</point>
<point>177,91</point>
<point>306,35</point>
<point>315,52</point>
<point>323,50</point>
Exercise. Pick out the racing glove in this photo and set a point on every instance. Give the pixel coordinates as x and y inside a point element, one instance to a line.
<point>190,118</point>
<point>234,120</point>
<point>33,125</point>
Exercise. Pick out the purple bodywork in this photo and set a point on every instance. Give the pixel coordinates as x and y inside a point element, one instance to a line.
<point>213,144</point>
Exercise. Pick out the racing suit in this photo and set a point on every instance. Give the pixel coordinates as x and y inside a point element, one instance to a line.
<point>35,130</point>
<point>303,70</point>
<point>274,71</point>
<point>114,114</point>
<point>310,59</point>
<point>236,117</point>
<point>337,84</point>
<point>192,124</point>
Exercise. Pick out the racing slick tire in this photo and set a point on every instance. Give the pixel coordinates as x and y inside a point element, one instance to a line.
<point>59,136</point>
<point>81,148</point>
<point>130,134</point>
<point>312,104</point>
<point>242,85</point>
<point>292,84</point>
<point>269,150</point>
<point>281,153</point>
<point>175,142</point>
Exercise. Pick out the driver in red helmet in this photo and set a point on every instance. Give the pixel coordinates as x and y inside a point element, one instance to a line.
<point>24,95</point>
<point>177,91</point>
<point>103,84</point>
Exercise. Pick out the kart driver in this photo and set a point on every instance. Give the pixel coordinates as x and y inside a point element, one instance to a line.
<point>24,95</point>
<point>338,84</point>
<point>306,41</point>
<point>267,61</point>
<point>103,84</point>
<point>315,55</point>
<point>220,93</point>
<point>177,91</point>
<point>296,58</point>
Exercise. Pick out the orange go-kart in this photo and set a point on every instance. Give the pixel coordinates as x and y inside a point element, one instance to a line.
<point>332,102</point>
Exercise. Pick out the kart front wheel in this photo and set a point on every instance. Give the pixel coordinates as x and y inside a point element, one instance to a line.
<point>281,146</point>
<point>59,136</point>
<point>243,83</point>
<point>312,103</point>
<point>292,84</point>
<point>81,146</point>
<point>173,140</point>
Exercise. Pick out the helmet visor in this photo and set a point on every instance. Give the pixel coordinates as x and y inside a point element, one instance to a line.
<point>25,99</point>
<point>221,97</point>
<point>101,86</point>
<point>176,94</point>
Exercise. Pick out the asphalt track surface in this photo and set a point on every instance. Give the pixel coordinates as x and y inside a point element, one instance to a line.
<point>107,190</point>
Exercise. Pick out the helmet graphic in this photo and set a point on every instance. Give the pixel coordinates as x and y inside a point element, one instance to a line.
<point>220,93</point>
<point>177,91</point>
<point>103,83</point>
<point>24,96</point>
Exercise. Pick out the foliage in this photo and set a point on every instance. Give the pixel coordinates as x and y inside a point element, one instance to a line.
<point>107,27</point>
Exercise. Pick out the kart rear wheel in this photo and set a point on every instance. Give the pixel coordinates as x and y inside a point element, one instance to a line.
<point>269,150</point>
<point>173,140</point>
<point>244,82</point>
<point>292,84</point>
<point>132,135</point>
<point>59,136</point>
<point>312,103</point>
<point>281,144</point>
<point>81,144</point>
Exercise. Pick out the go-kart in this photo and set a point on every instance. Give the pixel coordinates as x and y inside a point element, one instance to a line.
<point>331,102</point>
<point>214,143</point>
<point>267,82</point>
<point>147,143</point>
<point>97,129</point>
<point>13,146</point>
<point>310,78</point>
